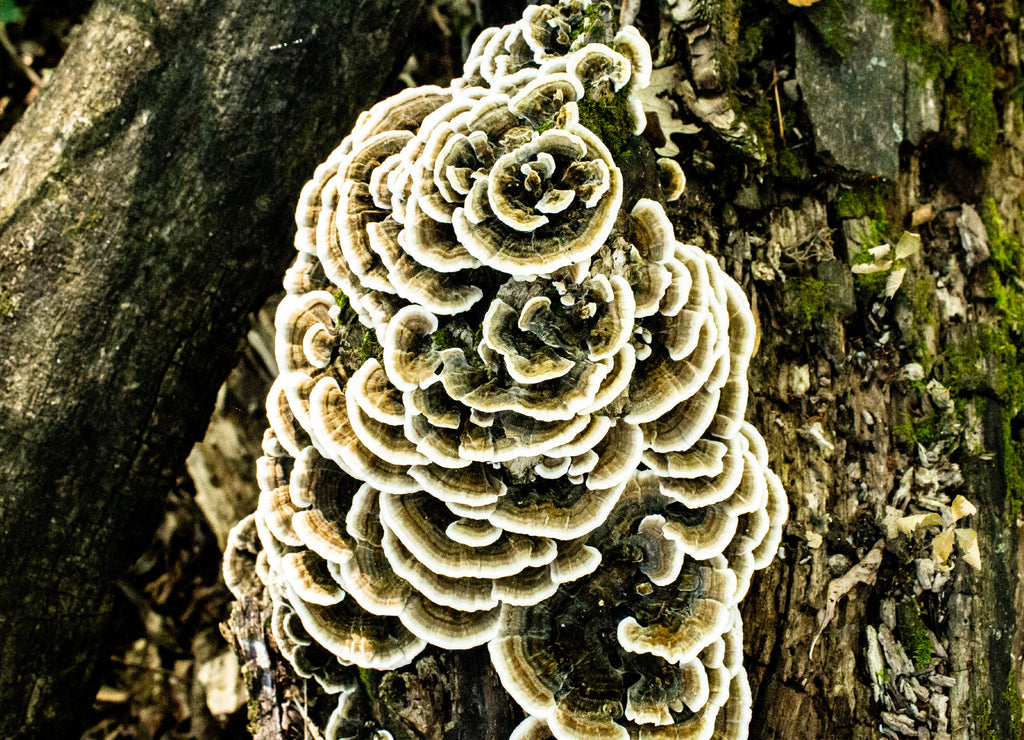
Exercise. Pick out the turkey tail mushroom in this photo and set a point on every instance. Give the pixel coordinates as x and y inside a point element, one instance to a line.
<point>547,452</point>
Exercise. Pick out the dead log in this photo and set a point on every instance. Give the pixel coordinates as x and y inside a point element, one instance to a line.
<point>145,211</point>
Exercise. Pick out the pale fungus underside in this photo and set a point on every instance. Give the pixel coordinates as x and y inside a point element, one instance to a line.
<point>547,452</point>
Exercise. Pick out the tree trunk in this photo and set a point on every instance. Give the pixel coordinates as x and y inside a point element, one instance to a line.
<point>856,120</point>
<point>873,406</point>
<point>145,210</point>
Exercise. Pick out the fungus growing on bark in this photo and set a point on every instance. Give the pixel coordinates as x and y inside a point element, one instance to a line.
<point>555,408</point>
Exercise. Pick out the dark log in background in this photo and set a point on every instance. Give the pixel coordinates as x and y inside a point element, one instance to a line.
<point>143,292</point>
<point>146,202</point>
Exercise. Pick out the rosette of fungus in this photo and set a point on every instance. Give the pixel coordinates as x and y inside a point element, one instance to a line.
<point>546,403</point>
<point>649,645</point>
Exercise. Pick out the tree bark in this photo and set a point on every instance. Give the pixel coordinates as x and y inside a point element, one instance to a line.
<point>834,387</point>
<point>145,211</point>
<point>117,325</point>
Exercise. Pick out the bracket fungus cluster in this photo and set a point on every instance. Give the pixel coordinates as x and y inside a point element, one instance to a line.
<point>543,449</point>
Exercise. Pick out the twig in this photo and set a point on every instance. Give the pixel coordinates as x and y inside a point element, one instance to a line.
<point>309,729</point>
<point>778,102</point>
<point>5,40</point>
<point>438,20</point>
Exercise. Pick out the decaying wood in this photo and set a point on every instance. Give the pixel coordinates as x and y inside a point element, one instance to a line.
<point>247,632</point>
<point>145,209</point>
<point>830,398</point>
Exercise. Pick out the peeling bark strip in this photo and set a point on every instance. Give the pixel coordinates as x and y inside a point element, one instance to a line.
<point>145,209</point>
<point>247,631</point>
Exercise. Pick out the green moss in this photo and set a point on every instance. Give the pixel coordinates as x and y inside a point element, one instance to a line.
<point>750,44</point>
<point>590,26</point>
<point>369,681</point>
<point>986,362</point>
<point>1006,267</point>
<point>958,22</point>
<point>965,68</point>
<point>920,295</point>
<point>869,284</point>
<point>830,18</point>
<point>788,163</point>
<point>1015,703</point>
<point>1004,249</point>
<point>982,712</point>
<point>762,118</point>
<point>1013,464</point>
<point>865,200</point>
<point>987,359</point>
<point>252,713</point>
<point>610,119</point>
<point>982,716</point>
<point>341,300</point>
<point>926,430</point>
<point>1009,300</point>
<point>808,301</point>
<point>868,202</point>
<point>910,39</point>
<point>970,110</point>
<point>369,347</point>
<point>914,634</point>
<point>442,339</point>
<point>6,304</point>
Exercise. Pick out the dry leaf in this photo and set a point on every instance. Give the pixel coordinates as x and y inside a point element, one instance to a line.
<point>967,541</point>
<point>882,250</point>
<point>961,507</point>
<point>908,244</point>
<point>922,215</point>
<point>894,281</point>
<point>863,572</point>
<point>111,695</point>
<point>908,524</point>
<point>871,267</point>
<point>802,3</point>
<point>222,680</point>
<point>942,548</point>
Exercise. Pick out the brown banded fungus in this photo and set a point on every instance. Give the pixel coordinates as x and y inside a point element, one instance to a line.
<point>542,445</point>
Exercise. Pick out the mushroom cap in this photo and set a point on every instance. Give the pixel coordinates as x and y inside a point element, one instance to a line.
<point>531,728</point>
<point>634,47</point>
<point>595,64</point>
<point>420,521</point>
<point>450,629</point>
<point>671,178</point>
<point>240,553</point>
<point>514,236</point>
<point>564,659</point>
<point>342,628</point>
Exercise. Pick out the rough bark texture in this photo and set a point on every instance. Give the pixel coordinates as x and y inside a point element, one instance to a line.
<point>856,435</point>
<point>145,208</point>
<point>146,214</point>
